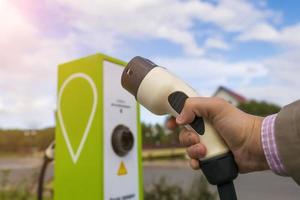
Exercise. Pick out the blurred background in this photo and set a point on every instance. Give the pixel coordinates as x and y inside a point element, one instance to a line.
<point>242,50</point>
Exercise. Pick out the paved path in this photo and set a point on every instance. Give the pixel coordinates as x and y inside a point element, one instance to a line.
<point>259,185</point>
<point>20,170</point>
<point>262,185</point>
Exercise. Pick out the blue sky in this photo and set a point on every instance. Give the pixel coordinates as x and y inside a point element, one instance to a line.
<point>252,47</point>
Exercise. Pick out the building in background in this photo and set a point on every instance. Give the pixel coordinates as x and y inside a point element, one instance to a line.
<point>230,96</point>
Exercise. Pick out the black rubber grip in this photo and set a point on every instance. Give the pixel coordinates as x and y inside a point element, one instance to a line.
<point>177,100</point>
<point>227,191</point>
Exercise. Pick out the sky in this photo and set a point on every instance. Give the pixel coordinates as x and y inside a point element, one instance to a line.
<point>252,47</point>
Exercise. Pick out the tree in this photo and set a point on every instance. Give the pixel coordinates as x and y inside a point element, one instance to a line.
<point>260,108</point>
<point>156,135</point>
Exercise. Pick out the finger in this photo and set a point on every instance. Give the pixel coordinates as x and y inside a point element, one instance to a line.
<point>187,114</point>
<point>194,164</point>
<point>200,106</point>
<point>188,138</point>
<point>196,151</point>
<point>171,123</point>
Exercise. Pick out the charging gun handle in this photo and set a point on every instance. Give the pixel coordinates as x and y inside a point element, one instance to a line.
<point>220,170</point>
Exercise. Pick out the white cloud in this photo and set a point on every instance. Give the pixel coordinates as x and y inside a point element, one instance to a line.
<point>165,19</point>
<point>205,75</point>
<point>234,15</point>
<point>28,70</point>
<point>29,54</point>
<point>216,43</point>
<point>136,19</point>
<point>282,78</point>
<point>1,106</point>
<point>276,93</point>
<point>290,35</point>
<point>284,68</point>
<point>279,75</point>
<point>287,36</point>
<point>264,32</point>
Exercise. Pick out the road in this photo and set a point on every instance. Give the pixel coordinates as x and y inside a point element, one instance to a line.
<point>259,185</point>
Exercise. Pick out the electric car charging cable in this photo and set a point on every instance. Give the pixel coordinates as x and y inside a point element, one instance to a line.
<point>48,158</point>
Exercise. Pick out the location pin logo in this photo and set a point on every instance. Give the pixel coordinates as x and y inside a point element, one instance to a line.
<point>75,152</point>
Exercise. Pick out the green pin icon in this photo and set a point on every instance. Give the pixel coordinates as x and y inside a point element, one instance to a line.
<point>75,153</point>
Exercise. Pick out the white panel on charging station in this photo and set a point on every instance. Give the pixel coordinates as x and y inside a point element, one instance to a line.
<point>119,108</point>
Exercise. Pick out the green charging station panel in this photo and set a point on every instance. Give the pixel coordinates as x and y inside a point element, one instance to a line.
<point>91,103</point>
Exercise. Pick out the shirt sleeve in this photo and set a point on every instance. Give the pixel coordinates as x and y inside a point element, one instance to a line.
<point>269,145</point>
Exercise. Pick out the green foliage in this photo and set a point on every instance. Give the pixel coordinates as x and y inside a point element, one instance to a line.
<point>20,141</point>
<point>28,141</point>
<point>260,108</point>
<point>19,194</point>
<point>200,190</point>
<point>163,191</point>
<point>158,136</point>
<point>25,190</point>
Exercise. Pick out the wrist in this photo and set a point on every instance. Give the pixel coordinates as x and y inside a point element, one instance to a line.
<point>250,155</point>
<point>257,148</point>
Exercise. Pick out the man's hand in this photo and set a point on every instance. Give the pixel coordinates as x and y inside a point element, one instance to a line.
<point>240,131</point>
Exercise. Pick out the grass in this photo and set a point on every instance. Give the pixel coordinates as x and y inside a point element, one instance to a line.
<point>160,191</point>
<point>25,190</point>
<point>164,191</point>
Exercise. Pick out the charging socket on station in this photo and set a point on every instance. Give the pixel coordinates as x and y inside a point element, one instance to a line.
<point>122,140</point>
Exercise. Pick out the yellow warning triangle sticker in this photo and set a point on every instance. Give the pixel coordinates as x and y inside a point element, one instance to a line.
<point>122,169</point>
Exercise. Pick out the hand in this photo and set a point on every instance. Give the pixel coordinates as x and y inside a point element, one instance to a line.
<point>240,131</point>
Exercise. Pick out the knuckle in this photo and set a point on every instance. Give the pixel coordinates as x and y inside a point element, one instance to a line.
<point>195,138</point>
<point>182,134</point>
<point>188,139</point>
<point>192,151</point>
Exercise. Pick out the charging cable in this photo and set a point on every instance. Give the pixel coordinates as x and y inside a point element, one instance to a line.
<point>48,158</point>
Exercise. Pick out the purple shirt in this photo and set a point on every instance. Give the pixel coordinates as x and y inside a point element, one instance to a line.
<point>269,145</point>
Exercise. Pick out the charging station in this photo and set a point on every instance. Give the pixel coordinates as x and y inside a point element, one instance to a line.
<point>98,134</point>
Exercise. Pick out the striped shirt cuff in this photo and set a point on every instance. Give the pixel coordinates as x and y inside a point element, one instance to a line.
<point>269,145</point>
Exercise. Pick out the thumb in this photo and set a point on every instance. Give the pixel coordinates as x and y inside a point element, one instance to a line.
<point>187,113</point>
<point>207,107</point>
